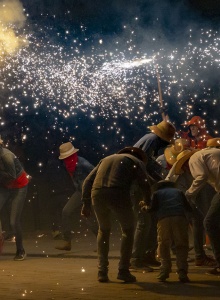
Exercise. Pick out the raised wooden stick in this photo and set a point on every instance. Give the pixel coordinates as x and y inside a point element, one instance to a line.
<point>164,117</point>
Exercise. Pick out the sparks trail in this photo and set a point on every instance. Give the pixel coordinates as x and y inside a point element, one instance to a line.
<point>68,80</point>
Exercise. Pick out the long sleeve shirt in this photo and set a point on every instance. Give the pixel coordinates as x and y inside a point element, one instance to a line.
<point>150,143</point>
<point>116,171</point>
<point>205,168</point>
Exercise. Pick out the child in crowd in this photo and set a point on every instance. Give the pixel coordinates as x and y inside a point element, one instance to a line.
<point>171,205</point>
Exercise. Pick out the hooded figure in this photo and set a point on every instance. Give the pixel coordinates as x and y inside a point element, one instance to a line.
<point>197,133</point>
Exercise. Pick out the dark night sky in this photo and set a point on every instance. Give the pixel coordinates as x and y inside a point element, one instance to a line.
<point>47,24</point>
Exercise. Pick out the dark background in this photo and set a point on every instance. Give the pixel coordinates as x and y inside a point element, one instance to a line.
<point>60,31</point>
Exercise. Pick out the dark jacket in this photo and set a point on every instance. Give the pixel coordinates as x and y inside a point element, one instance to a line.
<point>60,181</point>
<point>117,171</point>
<point>151,144</point>
<point>169,202</point>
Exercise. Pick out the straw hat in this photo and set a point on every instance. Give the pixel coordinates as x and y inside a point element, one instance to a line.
<point>215,142</point>
<point>182,157</point>
<point>171,152</point>
<point>66,150</point>
<point>164,130</point>
<point>135,151</point>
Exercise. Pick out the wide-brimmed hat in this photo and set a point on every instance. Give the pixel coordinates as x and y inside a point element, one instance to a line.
<point>136,152</point>
<point>163,184</point>
<point>165,130</point>
<point>215,142</point>
<point>66,150</point>
<point>182,157</point>
<point>171,152</point>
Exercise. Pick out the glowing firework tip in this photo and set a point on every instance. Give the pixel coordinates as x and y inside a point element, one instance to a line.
<point>136,63</point>
<point>117,65</point>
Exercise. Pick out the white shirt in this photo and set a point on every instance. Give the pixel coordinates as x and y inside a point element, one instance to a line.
<point>205,167</point>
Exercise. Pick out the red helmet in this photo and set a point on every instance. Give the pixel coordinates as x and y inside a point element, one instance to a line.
<point>197,121</point>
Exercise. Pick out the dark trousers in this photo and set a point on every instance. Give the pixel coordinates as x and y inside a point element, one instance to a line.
<point>212,226</point>
<point>17,198</point>
<point>105,202</point>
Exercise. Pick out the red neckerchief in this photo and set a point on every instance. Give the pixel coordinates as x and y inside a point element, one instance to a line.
<point>71,162</point>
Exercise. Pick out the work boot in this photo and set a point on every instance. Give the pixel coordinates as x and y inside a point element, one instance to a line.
<point>183,276</point>
<point>103,276</point>
<point>64,245</point>
<point>206,261</point>
<point>126,276</point>
<point>163,276</point>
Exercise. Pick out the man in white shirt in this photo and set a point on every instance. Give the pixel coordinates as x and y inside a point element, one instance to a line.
<point>205,168</point>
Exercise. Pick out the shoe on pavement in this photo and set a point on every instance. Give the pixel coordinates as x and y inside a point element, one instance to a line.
<point>215,271</point>
<point>20,255</point>
<point>183,276</point>
<point>64,245</point>
<point>163,276</point>
<point>103,276</point>
<point>206,261</point>
<point>126,276</point>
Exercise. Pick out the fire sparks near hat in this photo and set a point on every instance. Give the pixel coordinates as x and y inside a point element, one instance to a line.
<point>63,73</point>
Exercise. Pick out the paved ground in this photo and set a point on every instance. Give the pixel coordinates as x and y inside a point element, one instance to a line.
<point>51,274</point>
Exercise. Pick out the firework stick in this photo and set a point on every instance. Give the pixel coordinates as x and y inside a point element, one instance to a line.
<point>164,117</point>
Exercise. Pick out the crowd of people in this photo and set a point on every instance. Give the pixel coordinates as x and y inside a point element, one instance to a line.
<point>164,185</point>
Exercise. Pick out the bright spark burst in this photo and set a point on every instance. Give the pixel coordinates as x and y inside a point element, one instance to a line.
<point>112,81</point>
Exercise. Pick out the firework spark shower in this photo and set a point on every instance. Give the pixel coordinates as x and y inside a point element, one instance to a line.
<point>12,19</point>
<point>70,69</point>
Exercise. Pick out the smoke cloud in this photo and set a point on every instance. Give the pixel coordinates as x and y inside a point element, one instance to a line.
<point>12,19</point>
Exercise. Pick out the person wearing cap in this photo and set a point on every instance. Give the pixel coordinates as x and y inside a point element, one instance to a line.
<point>197,134</point>
<point>204,167</point>
<point>171,207</point>
<point>181,175</point>
<point>77,168</point>
<point>145,240</point>
<point>107,189</point>
<point>13,187</point>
